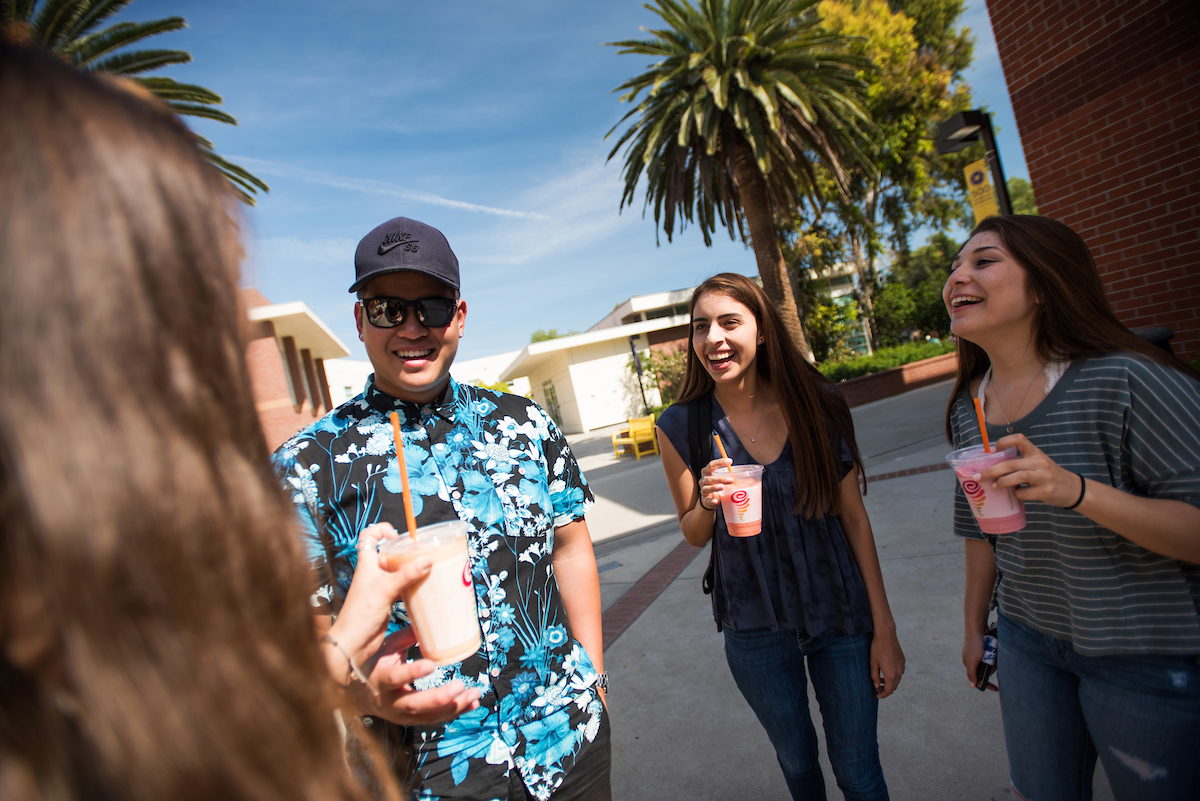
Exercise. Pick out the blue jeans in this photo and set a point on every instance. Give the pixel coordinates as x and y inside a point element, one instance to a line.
<point>769,668</point>
<point>1140,714</point>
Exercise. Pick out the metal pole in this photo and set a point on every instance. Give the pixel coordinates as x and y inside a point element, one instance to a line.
<point>993,160</point>
<point>637,364</point>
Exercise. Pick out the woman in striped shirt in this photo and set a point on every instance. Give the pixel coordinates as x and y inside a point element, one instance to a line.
<point>1099,633</point>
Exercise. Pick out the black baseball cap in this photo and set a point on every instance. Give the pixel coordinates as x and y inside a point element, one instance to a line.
<point>404,244</point>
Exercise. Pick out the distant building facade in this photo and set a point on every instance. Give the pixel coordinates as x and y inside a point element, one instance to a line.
<point>286,354</point>
<point>1107,98</point>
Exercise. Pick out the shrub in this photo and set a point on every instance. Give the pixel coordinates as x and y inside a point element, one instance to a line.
<point>884,359</point>
<point>665,370</point>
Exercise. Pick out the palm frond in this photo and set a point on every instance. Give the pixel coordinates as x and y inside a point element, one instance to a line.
<point>245,184</point>
<point>139,61</point>
<point>70,28</point>
<point>757,72</point>
<point>202,111</point>
<point>87,49</point>
<point>169,89</point>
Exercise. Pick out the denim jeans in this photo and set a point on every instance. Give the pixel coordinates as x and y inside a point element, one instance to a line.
<point>1139,714</point>
<point>769,668</point>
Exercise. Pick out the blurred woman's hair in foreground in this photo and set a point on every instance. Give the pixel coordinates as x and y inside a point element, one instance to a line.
<point>156,637</point>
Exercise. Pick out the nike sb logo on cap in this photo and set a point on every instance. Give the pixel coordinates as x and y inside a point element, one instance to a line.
<point>396,240</point>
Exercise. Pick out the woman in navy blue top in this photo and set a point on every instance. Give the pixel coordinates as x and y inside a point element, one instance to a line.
<point>805,596</point>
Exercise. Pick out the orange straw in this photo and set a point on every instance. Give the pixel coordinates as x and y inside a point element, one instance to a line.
<point>721,448</point>
<point>987,447</point>
<point>409,517</point>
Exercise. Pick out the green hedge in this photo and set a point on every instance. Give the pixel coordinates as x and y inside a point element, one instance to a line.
<point>884,359</point>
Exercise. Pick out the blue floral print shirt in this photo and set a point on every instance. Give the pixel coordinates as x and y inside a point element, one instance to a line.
<point>498,462</point>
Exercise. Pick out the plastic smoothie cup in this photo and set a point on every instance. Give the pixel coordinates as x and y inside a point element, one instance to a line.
<point>441,606</point>
<point>742,503</point>
<point>999,510</point>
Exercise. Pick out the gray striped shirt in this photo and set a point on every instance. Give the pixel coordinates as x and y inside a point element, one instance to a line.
<point>1132,424</point>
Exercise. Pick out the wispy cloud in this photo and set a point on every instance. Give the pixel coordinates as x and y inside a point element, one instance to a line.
<point>371,186</point>
<point>580,198</point>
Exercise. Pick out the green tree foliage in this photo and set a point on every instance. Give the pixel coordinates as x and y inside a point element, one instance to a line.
<point>894,310</point>
<point>830,326</point>
<point>929,310</point>
<point>919,280</point>
<point>71,29</point>
<point>1020,193</point>
<point>931,259</point>
<point>745,99</point>
<point>499,386</point>
<point>665,370</point>
<point>542,335</point>
<point>920,57</point>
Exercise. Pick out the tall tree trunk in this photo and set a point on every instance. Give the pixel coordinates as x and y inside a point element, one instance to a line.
<point>866,283</point>
<point>756,204</point>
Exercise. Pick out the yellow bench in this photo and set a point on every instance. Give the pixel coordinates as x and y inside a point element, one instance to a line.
<point>640,432</point>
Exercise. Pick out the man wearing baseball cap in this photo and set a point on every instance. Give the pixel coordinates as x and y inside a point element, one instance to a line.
<point>498,462</point>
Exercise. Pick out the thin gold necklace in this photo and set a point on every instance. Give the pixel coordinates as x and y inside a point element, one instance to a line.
<point>762,409</point>
<point>996,395</point>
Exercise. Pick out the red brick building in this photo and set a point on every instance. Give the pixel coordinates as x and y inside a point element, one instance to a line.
<point>1107,99</point>
<point>286,354</point>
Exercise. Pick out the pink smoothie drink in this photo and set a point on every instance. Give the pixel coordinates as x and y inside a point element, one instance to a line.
<point>999,510</point>
<point>442,605</point>
<point>742,502</point>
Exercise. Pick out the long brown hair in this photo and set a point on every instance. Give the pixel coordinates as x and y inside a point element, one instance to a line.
<point>1073,318</point>
<point>810,402</point>
<point>155,637</point>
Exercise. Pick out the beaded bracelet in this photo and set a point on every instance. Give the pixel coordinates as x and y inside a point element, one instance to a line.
<point>1082,492</point>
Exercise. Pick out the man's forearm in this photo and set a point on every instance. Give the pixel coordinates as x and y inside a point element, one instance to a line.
<point>579,586</point>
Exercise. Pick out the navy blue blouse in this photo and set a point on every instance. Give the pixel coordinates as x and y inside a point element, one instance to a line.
<point>797,574</point>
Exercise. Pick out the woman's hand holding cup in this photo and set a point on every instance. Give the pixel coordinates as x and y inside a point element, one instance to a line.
<point>1034,476</point>
<point>713,479</point>
<point>361,633</point>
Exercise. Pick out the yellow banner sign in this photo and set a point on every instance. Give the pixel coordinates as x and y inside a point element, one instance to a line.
<point>983,196</point>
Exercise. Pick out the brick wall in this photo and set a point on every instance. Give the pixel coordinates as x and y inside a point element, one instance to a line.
<point>1107,99</point>
<point>878,386</point>
<point>268,380</point>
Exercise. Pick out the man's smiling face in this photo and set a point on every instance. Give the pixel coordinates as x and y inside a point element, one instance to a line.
<point>412,362</point>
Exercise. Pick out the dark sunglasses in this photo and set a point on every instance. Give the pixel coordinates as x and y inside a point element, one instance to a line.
<point>392,312</point>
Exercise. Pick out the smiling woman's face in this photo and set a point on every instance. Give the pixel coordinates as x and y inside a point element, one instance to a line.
<point>987,293</point>
<point>725,336</point>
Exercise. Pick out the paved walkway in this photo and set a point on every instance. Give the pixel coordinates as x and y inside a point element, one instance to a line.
<point>681,730</point>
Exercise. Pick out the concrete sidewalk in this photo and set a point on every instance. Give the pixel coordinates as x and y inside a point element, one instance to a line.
<point>681,730</point>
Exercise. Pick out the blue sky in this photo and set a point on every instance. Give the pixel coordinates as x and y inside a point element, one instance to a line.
<point>485,119</point>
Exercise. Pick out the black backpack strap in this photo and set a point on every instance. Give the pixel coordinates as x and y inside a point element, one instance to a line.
<point>699,431</point>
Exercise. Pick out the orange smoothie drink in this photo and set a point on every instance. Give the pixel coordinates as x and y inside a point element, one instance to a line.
<point>742,502</point>
<point>442,605</point>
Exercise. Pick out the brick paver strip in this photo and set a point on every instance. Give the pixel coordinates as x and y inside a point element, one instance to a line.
<point>912,471</point>
<point>629,607</point>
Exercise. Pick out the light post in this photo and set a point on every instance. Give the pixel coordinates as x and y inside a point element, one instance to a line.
<point>637,365</point>
<point>970,126</point>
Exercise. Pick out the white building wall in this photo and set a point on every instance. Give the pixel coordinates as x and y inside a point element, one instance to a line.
<point>487,370</point>
<point>557,371</point>
<point>605,388</point>
<point>347,378</point>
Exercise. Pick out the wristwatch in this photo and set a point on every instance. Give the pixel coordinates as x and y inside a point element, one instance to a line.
<point>602,681</point>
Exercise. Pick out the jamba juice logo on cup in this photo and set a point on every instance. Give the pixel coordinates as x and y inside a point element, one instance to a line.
<point>467,573</point>
<point>974,492</point>
<point>741,502</point>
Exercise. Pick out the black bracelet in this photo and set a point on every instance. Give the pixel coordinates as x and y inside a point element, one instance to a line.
<point>700,500</point>
<point>1082,492</point>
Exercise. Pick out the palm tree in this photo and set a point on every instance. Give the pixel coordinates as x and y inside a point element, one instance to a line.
<point>71,30</point>
<point>747,97</point>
